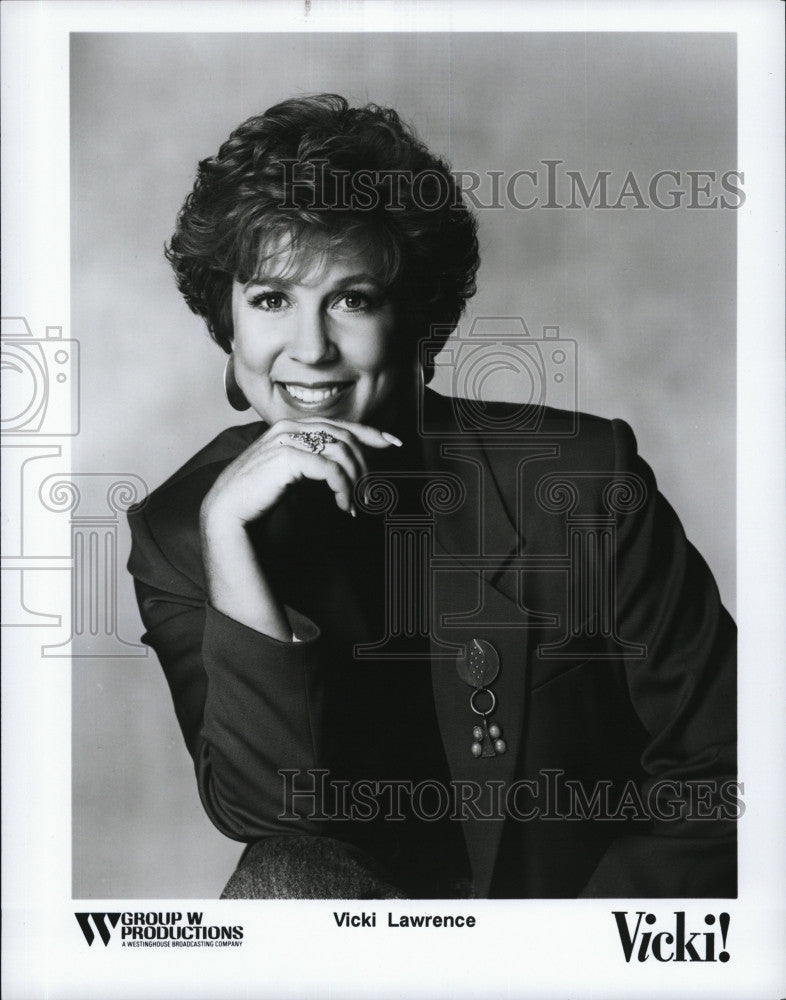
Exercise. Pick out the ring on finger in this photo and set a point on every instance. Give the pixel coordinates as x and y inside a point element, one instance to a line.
<point>315,441</point>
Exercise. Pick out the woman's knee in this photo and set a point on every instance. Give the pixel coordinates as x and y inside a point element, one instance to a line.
<point>307,868</point>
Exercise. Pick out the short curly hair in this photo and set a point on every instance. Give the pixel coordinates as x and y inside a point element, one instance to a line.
<point>315,172</point>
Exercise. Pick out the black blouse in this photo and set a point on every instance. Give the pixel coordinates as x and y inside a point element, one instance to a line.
<point>380,729</point>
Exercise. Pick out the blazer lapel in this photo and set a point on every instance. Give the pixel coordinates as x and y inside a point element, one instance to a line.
<point>468,603</point>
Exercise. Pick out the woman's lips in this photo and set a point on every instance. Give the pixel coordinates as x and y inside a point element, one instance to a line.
<point>313,396</point>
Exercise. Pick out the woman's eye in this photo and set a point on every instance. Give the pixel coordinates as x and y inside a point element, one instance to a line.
<point>355,301</point>
<point>268,301</point>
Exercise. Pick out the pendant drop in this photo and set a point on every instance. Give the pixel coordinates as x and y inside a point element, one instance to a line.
<point>478,666</point>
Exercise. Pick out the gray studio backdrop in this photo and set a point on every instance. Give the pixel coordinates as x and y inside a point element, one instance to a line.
<point>649,296</point>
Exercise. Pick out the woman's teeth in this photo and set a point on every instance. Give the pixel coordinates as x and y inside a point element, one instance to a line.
<point>306,395</point>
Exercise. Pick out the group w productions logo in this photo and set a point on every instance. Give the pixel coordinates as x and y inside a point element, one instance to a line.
<point>170,929</point>
<point>99,920</point>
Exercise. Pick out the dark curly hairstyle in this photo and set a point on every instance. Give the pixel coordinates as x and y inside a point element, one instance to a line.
<point>313,172</point>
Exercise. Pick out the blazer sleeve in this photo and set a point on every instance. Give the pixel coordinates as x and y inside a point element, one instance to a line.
<point>683,690</point>
<point>248,705</point>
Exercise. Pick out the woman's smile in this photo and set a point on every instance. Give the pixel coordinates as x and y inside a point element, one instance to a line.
<point>319,396</point>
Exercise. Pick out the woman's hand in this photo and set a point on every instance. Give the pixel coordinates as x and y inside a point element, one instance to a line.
<point>252,484</point>
<point>258,477</point>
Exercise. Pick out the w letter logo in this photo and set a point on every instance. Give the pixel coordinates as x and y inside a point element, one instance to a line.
<point>99,919</point>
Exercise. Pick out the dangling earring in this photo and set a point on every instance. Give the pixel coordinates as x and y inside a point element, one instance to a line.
<point>420,375</point>
<point>234,393</point>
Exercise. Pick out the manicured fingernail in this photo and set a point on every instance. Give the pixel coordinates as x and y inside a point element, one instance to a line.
<point>352,511</point>
<point>392,439</point>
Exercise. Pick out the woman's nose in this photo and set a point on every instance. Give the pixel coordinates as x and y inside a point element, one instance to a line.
<point>311,343</point>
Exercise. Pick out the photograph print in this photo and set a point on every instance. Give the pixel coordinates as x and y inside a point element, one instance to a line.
<point>416,353</point>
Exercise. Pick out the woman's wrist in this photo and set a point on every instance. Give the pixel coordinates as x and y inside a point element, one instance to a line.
<point>236,583</point>
<point>217,521</point>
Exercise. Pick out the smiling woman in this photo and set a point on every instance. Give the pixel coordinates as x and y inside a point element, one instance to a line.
<point>509,602</point>
<point>323,345</point>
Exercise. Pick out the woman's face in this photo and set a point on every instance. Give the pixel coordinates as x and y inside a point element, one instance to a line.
<point>321,344</point>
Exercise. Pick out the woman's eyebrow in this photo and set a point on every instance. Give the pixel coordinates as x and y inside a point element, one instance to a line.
<point>285,283</point>
<point>265,279</point>
<point>363,276</point>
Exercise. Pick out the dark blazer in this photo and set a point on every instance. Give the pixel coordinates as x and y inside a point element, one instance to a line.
<point>547,538</point>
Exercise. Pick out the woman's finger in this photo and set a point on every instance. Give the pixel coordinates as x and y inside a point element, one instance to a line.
<point>370,436</point>
<point>337,431</point>
<point>308,465</point>
<point>344,432</point>
<point>346,453</point>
